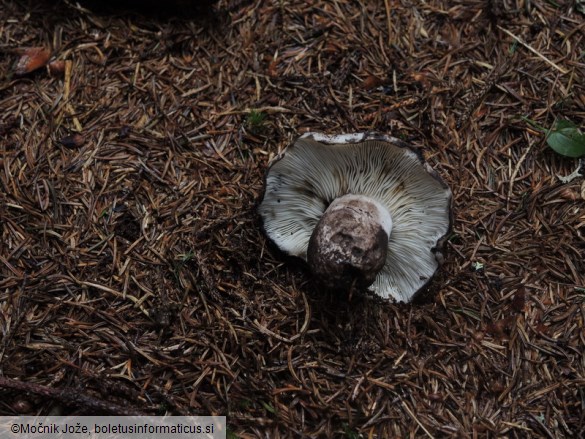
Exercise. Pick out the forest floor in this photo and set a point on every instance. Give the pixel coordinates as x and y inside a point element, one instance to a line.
<point>134,273</point>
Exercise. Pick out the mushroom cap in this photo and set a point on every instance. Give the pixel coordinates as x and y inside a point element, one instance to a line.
<point>317,169</point>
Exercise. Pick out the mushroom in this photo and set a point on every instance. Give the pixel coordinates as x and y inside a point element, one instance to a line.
<point>363,210</point>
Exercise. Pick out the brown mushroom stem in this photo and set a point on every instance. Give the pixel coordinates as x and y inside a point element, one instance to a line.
<point>349,244</point>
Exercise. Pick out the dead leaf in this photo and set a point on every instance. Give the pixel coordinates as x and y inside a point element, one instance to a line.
<point>569,194</point>
<point>57,68</point>
<point>372,82</point>
<point>31,59</point>
<point>73,141</point>
<point>272,68</point>
<point>500,328</point>
<point>422,78</point>
<point>519,301</point>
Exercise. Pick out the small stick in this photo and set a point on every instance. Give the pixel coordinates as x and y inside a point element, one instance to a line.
<point>69,397</point>
<point>388,20</point>
<point>540,55</point>
<point>416,420</point>
<point>66,91</point>
<point>516,170</point>
<point>579,172</point>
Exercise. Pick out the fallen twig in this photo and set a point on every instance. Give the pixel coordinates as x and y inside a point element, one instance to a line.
<point>540,55</point>
<point>72,397</point>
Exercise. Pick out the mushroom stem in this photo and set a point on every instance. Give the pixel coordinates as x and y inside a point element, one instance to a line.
<point>349,244</point>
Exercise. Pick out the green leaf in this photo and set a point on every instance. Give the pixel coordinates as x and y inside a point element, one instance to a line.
<point>268,407</point>
<point>566,139</point>
<point>469,313</point>
<point>256,121</point>
<point>533,124</point>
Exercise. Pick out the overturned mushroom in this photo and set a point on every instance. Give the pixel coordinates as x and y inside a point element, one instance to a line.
<point>363,210</point>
